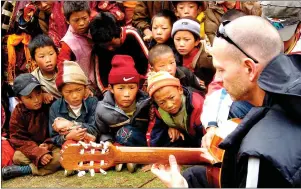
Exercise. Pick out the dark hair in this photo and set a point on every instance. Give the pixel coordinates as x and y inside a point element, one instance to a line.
<point>170,15</point>
<point>158,50</point>
<point>39,41</point>
<point>232,14</point>
<point>202,4</point>
<point>104,27</point>
<point>75,6</point>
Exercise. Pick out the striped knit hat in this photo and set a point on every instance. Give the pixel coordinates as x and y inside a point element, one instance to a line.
<point>157,80</point>
<point>70,72</point>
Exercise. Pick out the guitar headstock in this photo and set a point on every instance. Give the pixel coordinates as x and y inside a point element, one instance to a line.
<point>83,156</point>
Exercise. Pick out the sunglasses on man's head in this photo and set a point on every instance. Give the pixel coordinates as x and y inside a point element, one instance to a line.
<point>221,32</point>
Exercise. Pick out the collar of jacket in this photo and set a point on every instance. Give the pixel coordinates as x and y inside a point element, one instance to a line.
<point>64,107</point>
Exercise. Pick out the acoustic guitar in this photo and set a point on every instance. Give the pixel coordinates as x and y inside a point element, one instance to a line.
<point>84,157</point>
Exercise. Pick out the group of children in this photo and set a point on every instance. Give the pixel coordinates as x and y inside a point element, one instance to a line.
<point>105,83</point>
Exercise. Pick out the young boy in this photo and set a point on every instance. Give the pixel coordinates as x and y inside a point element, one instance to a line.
<point>186,36</point>
<point>74,108</point>
<point>194,9</point>
<point>44,53</point>
<point>77,44</point>
<point>161,58</point>
<point>177,112</point>
<point>111,39</point>
<point>29,133</point>
<point>122,116</point>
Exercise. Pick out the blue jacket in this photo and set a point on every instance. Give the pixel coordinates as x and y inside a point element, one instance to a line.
<point>87,118</point>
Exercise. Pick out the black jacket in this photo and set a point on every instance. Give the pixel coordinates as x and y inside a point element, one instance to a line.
<point>271,132</point>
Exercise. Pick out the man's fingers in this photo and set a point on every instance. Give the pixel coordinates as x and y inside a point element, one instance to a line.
<point>173,163</point>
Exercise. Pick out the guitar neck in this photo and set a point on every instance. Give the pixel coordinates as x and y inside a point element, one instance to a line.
<point>149,155</point>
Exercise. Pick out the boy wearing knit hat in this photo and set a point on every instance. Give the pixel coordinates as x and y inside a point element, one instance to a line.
<point>72,117</point>
<point>29,135</point>
<point>186,35</point>
<point>122,116</point>
<point>177,111</point>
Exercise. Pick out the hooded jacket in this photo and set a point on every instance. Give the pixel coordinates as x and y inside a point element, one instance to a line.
<point>109,118</point>
<point>270,132</point>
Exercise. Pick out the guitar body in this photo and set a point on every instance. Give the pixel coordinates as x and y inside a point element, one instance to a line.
<point>214,173</point>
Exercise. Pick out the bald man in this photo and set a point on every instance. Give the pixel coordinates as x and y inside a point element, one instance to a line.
<point>265,149</point>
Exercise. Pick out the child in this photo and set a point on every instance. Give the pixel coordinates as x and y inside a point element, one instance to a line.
<point>161,30</point>
<point>122,116</point>
<point>44,53</point>
<point>77,44</point>
<point>111,39</point>
<point>177,112</point>
<point>29,133</point>
<point>161,58</point>
<point>186,36</point>
<point>194,9</point>
<point>72,117</point>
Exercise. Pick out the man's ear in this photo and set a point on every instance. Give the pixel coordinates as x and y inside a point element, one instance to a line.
<point>152,68</point>
<point>176,12</point>
<point>251,68</point>
<point>111,88</point>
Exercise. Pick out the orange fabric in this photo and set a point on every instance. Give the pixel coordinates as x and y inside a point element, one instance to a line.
<point>129,4</point>
<point>12,41</point>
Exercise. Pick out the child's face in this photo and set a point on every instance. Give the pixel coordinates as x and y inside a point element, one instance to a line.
<point>34,100</point>
<point>80,21</point>
<point>124,94</point>
<point>45,57</point>
<point>45,6</point>
<point>74,93</point>
<point>169,98</point>
<point>187,8</point>
<point>165,62</point>
<point>161,29</point>
<point>185,42</point>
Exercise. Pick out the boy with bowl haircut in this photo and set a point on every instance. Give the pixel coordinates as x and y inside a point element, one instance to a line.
<point>122,116</point>
<point>44,52</point>
<point>161,58</point>
<point>177,111</point>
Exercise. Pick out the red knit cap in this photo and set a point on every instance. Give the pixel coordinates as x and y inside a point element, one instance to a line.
<point>123,70</point>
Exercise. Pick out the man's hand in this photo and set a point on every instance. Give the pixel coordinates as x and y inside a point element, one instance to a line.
<point>47,98</point>
<point>77,134</point>
<point>45,159</point>
<point>207,138</point>
<point>46,146</point>
<point>148,35</point>
<point>174,134</point>
<point>170,175</point>
<point>62,125</point>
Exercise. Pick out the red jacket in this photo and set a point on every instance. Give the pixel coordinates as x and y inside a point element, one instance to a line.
<point>28,129</point>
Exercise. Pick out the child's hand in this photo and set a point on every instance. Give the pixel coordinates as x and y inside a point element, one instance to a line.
<point>148,35</point>
<point>77,134</point>
<point>47,98</point>
<point>61,125</point>
<point>45,159</point>
<point>46,146</point>
<point>174,134</point>
<point>88,93</point>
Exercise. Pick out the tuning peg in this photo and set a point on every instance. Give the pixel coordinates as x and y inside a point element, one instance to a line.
<point>92,172</point>
<point>81,173</point>
<point>102,171</point>
<point>83,144</point>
